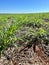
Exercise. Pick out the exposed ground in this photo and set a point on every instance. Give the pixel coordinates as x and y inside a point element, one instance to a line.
<point>27,56</point>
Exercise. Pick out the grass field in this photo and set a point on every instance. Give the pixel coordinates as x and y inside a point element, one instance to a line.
<point>38,24</point>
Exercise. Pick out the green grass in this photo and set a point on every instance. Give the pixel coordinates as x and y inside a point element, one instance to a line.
<point>10,23</point>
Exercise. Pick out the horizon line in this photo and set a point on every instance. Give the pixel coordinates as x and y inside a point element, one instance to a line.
<point>23,12</point>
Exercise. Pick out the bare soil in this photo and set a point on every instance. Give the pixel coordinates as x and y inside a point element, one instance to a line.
<point>27,56</point>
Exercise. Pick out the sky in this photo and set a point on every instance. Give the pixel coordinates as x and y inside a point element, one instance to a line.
<point>24,6</point>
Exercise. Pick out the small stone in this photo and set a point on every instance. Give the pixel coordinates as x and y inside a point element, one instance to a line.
<point>19,64</point>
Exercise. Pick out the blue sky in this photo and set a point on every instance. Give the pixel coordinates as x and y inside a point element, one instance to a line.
<point>24,6</point>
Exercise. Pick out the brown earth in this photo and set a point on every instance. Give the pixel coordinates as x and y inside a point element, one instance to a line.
<point>24,56</point>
